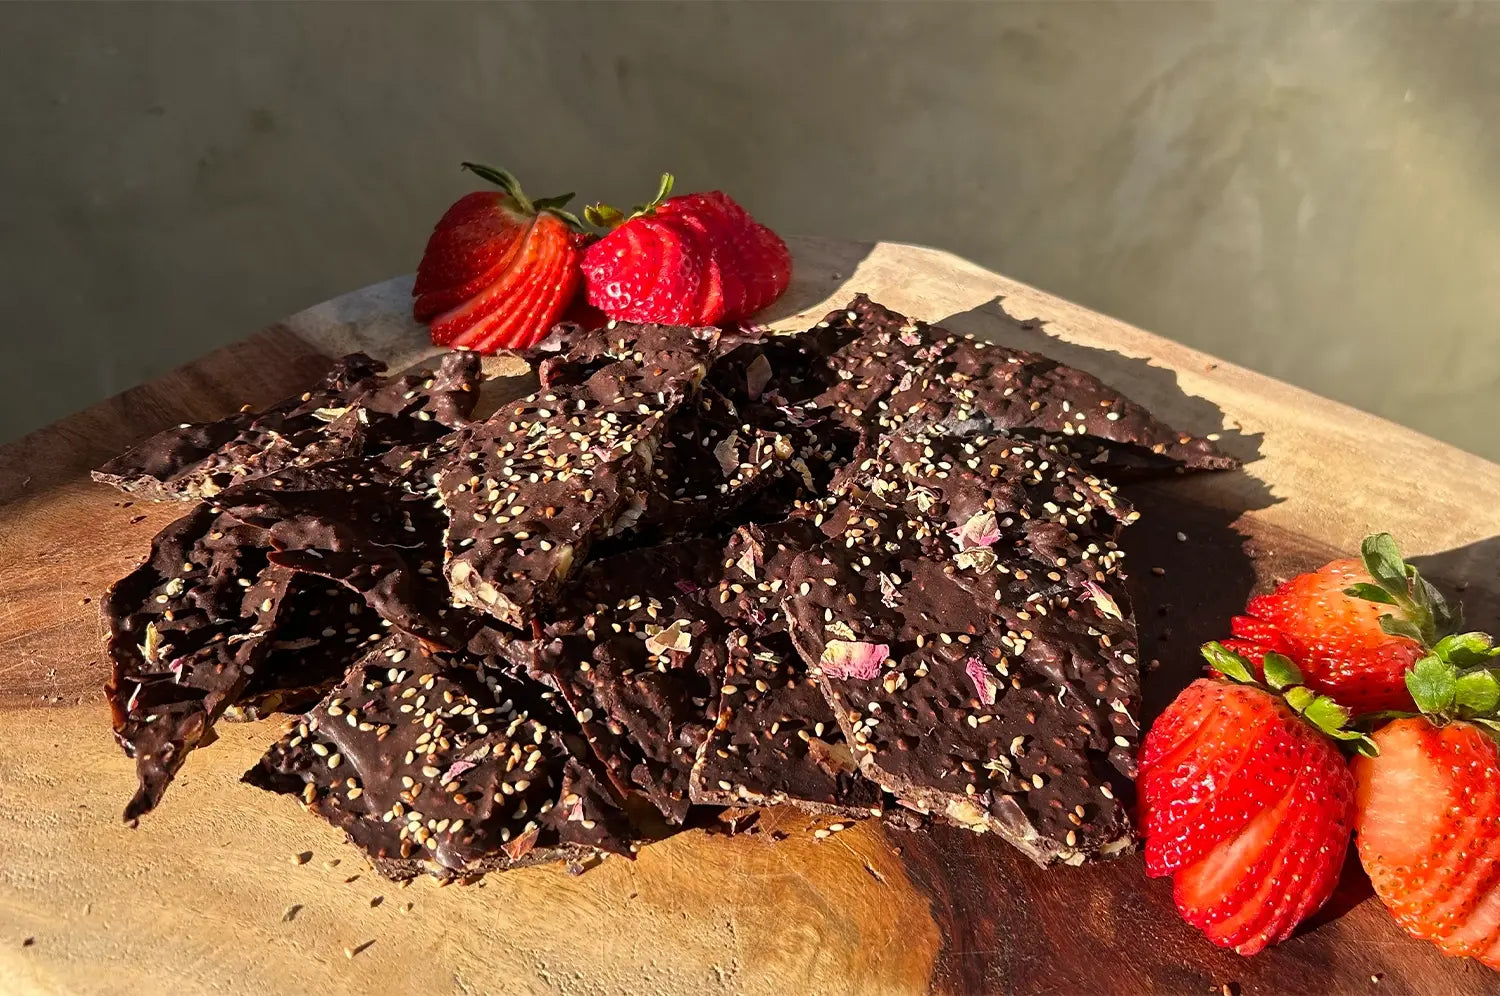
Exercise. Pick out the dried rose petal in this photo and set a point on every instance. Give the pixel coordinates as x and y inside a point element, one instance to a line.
<point>455,769</point>
<point>674,637</point>
<point>725,452</point>
<point>984,685</point>
<point>757,376</point>
<point>686,587</point>
<point>980,530</point>
<point>853,659</point>
<point>910,337</point>
<point>1106,605</point>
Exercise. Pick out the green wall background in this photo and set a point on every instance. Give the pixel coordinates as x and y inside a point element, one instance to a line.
<point>1312,190</point>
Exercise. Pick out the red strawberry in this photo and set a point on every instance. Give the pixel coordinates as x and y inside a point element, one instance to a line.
<point>1330,623</point>
<point>1246,801</point>
<point>715,265</point>
<point>1427,821</point>
<point>471,245</point>
<point>499,269</point>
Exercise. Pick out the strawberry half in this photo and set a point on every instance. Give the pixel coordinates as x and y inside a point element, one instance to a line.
<point>1353,627</point>
<point>1427,824</point>
<point>1245,800</point>
<point>499,268</point>
<point>716,264</point>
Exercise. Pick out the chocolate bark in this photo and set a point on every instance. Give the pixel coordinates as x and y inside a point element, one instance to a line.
<point>894,372</point>
<point>529,491</point>
<point>187,629</point>
<point>350,412</point>
<point>345,521</point>
<point>640,660</point>
<point>969,628</point>
<point>440,763</point>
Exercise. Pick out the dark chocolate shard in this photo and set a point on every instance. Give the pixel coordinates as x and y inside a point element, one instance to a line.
<point>440,763</point>
<point>351,412</point>
<point>346,522</point>
<point>529,491</point>
<point>970,629</point>
<point>894,372</point>
<point>776,740</point>
<point>187,630</point>
<point>640,660</point>
<point>322,630</point>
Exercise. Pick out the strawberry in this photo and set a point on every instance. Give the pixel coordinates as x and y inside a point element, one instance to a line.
<point>695,259</point>
<point>1337,624</point>
<point>1246,801</point>
<point>1427,820</point>
<point>499,268</point>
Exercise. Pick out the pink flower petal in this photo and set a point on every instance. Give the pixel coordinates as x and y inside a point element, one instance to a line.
<point>757,375</point>
<point>980,530</point>
<point>853,659</point>
<point>455,769</point>
<point>1106,605</point>
<point>984,685</point>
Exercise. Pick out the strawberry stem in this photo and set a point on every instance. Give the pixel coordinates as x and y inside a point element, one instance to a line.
<point>507,181</point>
<point>602,215</point>
<point>1282,678</point>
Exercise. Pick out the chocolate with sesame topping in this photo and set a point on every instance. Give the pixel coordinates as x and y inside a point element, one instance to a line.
<point>440,763</point>
<point>1006,692</point>
<point>344,521</point>
<point>187,630</point>
<point>350,412</point>
<point>896,372</point>
<point>529,491</point>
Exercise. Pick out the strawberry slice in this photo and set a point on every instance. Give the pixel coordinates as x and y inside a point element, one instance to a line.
<point>452,327</point>
<point>469,248</point>
<point>674,296</point>
<point>549,289</point>
<point>710,307</point>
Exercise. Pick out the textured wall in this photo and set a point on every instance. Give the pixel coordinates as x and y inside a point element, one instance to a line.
<point>1311,190</point>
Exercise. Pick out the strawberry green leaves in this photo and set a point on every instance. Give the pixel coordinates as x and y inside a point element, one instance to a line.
<point>507,182</point>
<point>1283,676</point>
<point>1425,615</point>
<point>606,217</point>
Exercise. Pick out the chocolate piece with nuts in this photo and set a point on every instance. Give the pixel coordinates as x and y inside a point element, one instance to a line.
<point>529,491</point>
<point>439,763</point>
<point>187,630</point>
<point>896,372</point>
<point>350,412</point>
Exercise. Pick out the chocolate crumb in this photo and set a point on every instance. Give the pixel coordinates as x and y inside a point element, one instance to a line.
<point>302,858</point>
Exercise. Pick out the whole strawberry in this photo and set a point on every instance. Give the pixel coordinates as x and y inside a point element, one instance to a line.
<point>1353,627</point>
<point>1427,822</point>
<point>697,259</point>
<point>1246,801</point>
<point>499,269</point>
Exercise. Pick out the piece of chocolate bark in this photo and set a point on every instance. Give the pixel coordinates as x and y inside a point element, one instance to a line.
<point>323,629</point>
<point>893,372</point>
<point>186,632</point>
<point>970,630</point>
<point>775,740</point>
<point>345,521</point>
<point>351,412</point>
<point>530,490</point>
<point>441,763</point>
<point>640,660</point>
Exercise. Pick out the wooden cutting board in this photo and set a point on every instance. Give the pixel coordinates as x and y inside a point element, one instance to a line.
<point>207,895</point>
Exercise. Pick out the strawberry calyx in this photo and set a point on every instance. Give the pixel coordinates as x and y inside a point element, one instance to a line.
<point>1284,679</point>
<point>602,215</point>
<point>1424,614</point>
<point>506,181</point>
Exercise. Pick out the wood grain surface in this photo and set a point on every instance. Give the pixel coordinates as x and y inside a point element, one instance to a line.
<point>207,895</point>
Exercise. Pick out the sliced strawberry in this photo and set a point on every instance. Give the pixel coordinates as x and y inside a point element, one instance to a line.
<point>674,297</point>
<point>551,288</point>
<point>710,309</point>
<point>776,260</point>
<point>452,327</point>
<point>1428,829</point>
<point>470,244</point>
<point>1246,802</point>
